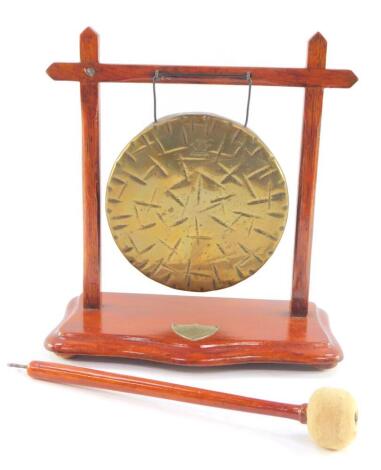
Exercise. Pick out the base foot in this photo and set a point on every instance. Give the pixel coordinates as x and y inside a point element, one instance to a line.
<point>65,356</point>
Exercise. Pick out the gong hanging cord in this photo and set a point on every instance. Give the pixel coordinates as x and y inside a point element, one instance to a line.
<point>159,75</point>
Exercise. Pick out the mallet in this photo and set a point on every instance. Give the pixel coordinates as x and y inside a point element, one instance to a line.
<point>331,414</point>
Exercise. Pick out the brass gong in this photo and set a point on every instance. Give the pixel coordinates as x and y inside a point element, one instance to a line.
<point>197,202</point>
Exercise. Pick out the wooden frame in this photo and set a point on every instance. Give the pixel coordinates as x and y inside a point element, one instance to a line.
<point>305,336</point>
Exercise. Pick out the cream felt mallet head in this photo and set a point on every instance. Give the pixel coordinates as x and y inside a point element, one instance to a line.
<point>332,418</point>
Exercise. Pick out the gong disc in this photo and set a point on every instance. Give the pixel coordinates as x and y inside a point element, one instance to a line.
<point>197,202</point>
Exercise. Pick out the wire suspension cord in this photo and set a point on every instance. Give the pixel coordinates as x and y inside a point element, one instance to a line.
<point>250,82</point>
<point>154,79</point>
<point>166,75</point>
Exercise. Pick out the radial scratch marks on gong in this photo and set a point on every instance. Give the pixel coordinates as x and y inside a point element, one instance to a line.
<point>159,165</point>
<point>197,202</point>
<point>175,198</point>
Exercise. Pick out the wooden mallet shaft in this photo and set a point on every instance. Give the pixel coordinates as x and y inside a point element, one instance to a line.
<point>73,375</point>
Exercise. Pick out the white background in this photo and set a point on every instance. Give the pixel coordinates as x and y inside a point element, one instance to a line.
<point>45,425</point>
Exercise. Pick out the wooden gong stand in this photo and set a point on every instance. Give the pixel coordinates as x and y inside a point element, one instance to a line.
<point>139,326</point>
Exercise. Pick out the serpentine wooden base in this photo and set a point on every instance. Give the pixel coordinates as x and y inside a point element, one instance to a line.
<point>249,331</point>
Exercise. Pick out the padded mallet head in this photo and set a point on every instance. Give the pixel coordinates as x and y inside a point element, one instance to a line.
<point>332,418</point>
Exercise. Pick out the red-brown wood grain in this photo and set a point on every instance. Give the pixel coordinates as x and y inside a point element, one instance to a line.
<point>90,173</point>
<point>317,50</point>
<point>139,326</point>
<point>73,375</point>
<point>269,76</point>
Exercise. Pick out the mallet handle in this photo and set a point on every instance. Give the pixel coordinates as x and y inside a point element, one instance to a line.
<point>73,375</point>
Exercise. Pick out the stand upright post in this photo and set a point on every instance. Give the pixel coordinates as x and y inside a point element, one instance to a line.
<point>90,170</point>
<point>317,50</point>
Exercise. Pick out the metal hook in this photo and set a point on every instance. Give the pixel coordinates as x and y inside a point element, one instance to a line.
<point>157,75</point>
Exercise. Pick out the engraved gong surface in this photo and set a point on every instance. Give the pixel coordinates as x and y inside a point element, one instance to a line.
<point>197,202</point>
